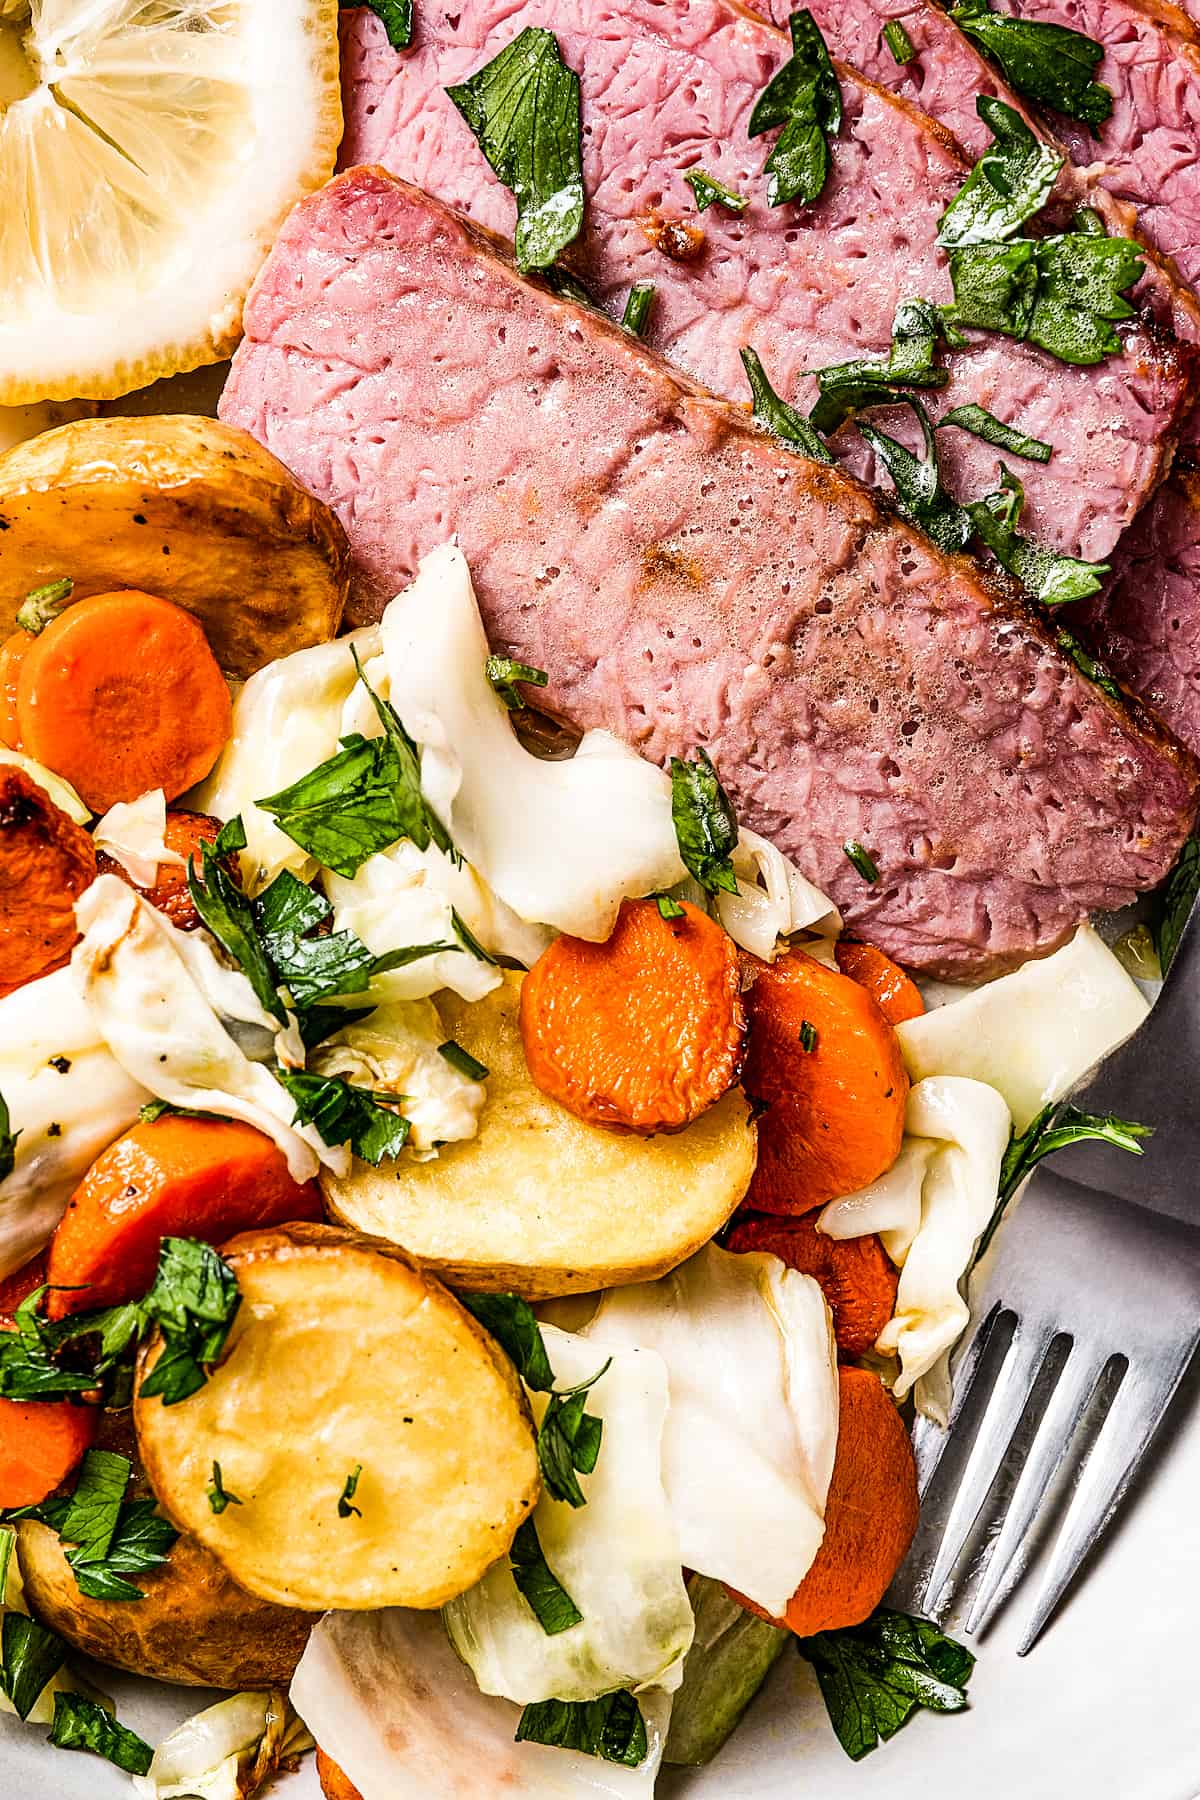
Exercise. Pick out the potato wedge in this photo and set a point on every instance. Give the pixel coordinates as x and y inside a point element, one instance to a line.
<point>540,1203</point>
<point>180,506</point>
<point>345,1356</point>
<point>195,1625</point>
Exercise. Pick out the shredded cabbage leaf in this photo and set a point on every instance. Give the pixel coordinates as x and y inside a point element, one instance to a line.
<point>226,1752</point>
<point>618,1556</point>
<point>396,1049</point>
<point>60,791</point>
<point>752,1423</point>
<point>134,834</point>
<point>773,900</point>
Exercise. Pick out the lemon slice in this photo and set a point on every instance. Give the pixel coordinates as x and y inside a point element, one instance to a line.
<point>149,150</point>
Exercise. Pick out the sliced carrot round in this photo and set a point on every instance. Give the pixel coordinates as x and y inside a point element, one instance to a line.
<point>41,1442</point>
<point>185,833</point>
<point>826,1067</point>
<point>121,694</point>
<point>13,652</point>
<point>46,861</point>
<point>856,1275</point>
<point>175,1177</point>
<point>870,1513</point>
<point>894,993</point>
<point>643,1032</point>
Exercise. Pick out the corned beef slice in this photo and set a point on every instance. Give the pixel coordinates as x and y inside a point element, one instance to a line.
<point>668,85</point>
<point>686,580</point>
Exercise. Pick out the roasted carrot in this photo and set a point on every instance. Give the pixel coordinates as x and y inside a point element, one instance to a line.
<point>20,1284</point>
<point>46,861</point>
<point>185,833</point>
<point>12,654</point>
<point>855,1274</point>
<point>121,694</point>
<point>175,1177</point>
<point>335,1783</point>
<point>825,1065</point>
<point>643,1032</point>
<point>897,997</point>
<point>41,1442</point>
<point>870,1513</point>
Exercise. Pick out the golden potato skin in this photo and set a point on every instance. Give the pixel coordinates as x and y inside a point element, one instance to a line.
<point>335,1784</point>
<point>539,1203</point>
<point>184,507</point>
<point>345,1354</point>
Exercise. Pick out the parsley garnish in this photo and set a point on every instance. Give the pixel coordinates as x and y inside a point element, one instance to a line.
<point>1088,665</point>
<point>844,387</point>
<point>524,109</point>
<point>32,1656</point>
<point>1174,902</point>
<point>396,17</point>
<point>231,838</point>
<point>504,673</point>
<point>808,1031</point>
<point>804,97</point>
<point>229,916</point>
<point>549,1600</point>
<point>347,1494</point>
<point>1046,62</point>
<point>612,1727</point>
<point>569,1440</point>
<point>8,1141</point>
<point>706,827</point>
<point>1056,1126</point>
<point>463,1061</point>
<point>874,1676</point>
<point>217,1494</point>
<point>1082,281</point>
<point>898,42</point>
<point>862,860</point>
<point>706,189</point>
<point>166,1109</point>
<point>638,302</point>
<point>28,1370</point>
<point>780,419</point>
<point>668,907</point>
<point>194,1301</point>
<point>467,939</point>
<point>1051,577</point>
<point>1011,181</point>
<point>82,1724</point>
<point>920,492</point>
<point>983,424</point>
<point>513,1324</point>
<point>107,1536</point>
<point>343,1114</point>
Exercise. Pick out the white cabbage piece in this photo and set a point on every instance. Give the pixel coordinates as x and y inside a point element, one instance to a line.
<point>65,1111</point>
<point>946,1181</point>
<point>773,900</point>
<point>12,1599</point>
<point>134,972</point>
<point>60,791</point>
<point>752,1424</point>
<point>396,1049</point>
<point>386,1697</point>
<point>286,720</point>
<point>1034,1034</point>
<point>618,1557</point>
<point>133,833</point>
<point>226,1752</point>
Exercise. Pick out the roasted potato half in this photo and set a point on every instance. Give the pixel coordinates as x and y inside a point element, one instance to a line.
<point>180,506</point>
<point>195,1625</point>
<point>378,1440</point>
<point>540,1203</point>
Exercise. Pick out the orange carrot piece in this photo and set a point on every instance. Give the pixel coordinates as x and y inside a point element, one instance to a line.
<point>46,861</point>
<point>12,654</point>
<point>335,1783</point>
<point>185,833</point>
<point>20,1284</point>
<point>176,1177</point>
<point>870,1514</point>
<point>897,997</point>
<point>856,1275</point>
<point>833,1114</point>
<point>121,694</point>
<point>641,1033</point>
<point>41,1442</point>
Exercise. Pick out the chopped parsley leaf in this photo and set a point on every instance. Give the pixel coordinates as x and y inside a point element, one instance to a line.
<point>706,827</point>
<point>706,191</point>
<point>548,1599</point>
<point>805,99</point>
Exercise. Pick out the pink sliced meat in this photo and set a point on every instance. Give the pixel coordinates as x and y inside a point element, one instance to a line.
<point>686,580</point>
<point>668,85</point>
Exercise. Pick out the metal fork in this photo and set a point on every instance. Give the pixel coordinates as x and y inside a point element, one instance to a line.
<point>1101,1261</point>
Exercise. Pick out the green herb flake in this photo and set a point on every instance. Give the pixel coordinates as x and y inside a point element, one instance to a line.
<point>898,42</point>
<point>780,419</point>
<point>1056,1126</point>
<point>344,1114</point>
<point>462,1061</point>
<point>227,913</point>
<point>347,1494</point>
<point>1050,577</point>
<point>921,495</point>
<point>194,1301</point>
<point>808,1031</point>
<point>983,424</point>
<point>396,17</point>
<point>8,1141</point>
<point>1048,63</point>
<point>83,1724</point>
<point>568,1440</point>
<point>1088,665</point>
<point>513,1324</point>
<point>862,860</point>
<point>611,1727</point>
<point>804,98</point>
<point>868,380</point>
<point>504,673</point>
<point>536,1581</point>
<point>668,907</point>
<point>1173,902</point>
<point>32,1655</point>
<point>524,109</point>
<point>874,1677</point>
<point>217,1494</point>
<point>1082,282</point>
<point>231,838</point>
<point>707,191</point>
<point>706,827</point>
<point>638,303</point>
<point>1011,181</point>
<point>467,939</point>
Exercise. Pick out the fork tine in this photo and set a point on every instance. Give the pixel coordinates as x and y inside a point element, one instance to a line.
<point>1005,1405</point>
<point>929,1439</point>
<point>1134,1416</point>
<point>1057,1427</point>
